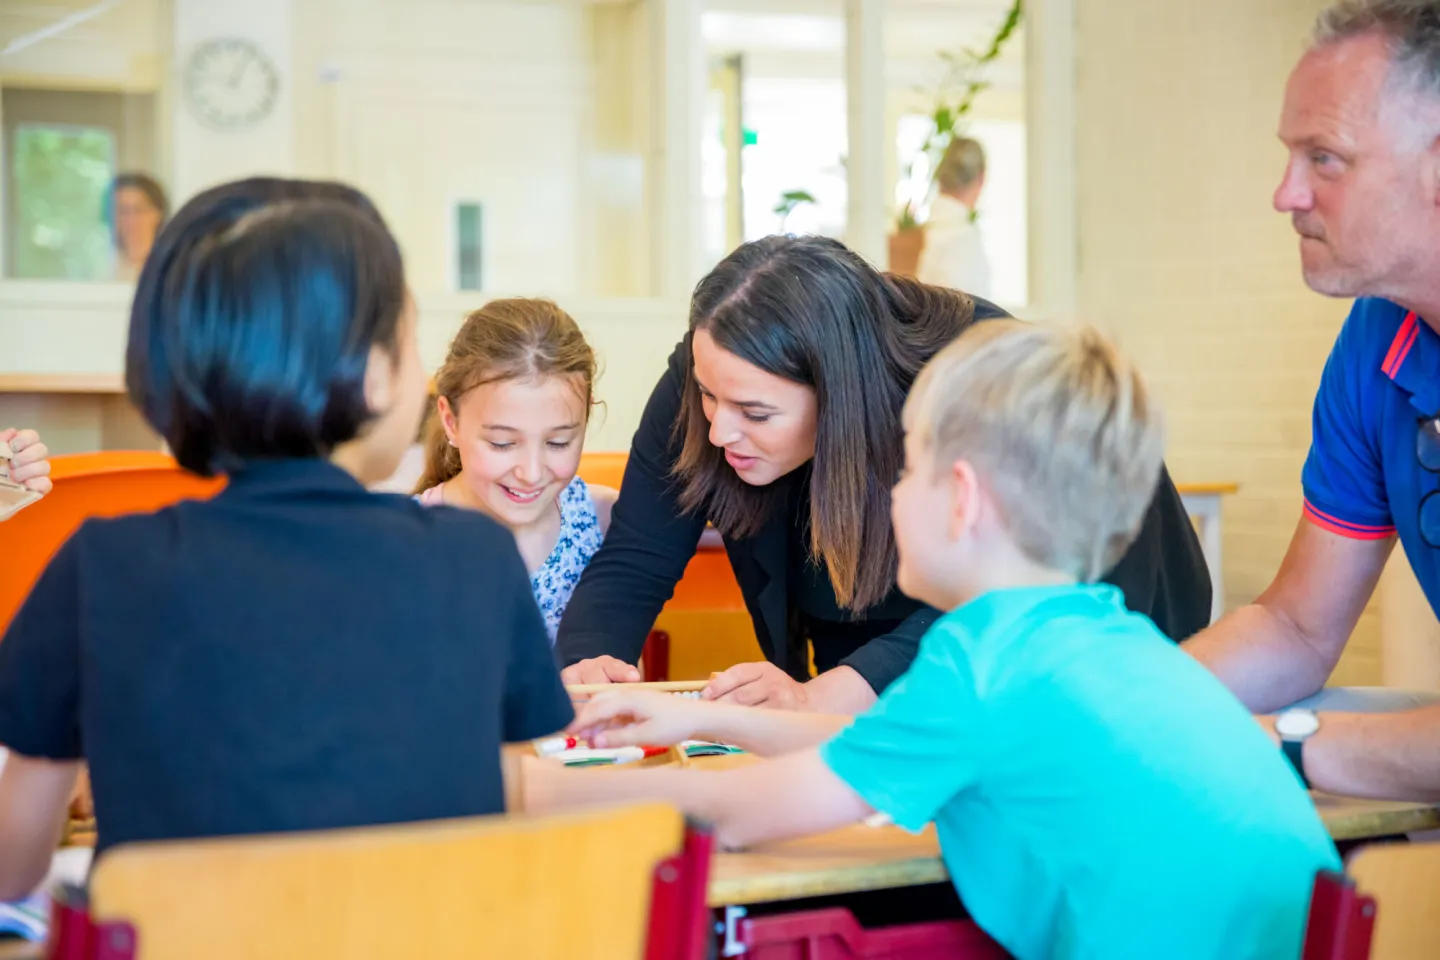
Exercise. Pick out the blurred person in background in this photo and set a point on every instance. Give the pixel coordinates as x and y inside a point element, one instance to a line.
<point>138,208</point>
<point>953,255</point>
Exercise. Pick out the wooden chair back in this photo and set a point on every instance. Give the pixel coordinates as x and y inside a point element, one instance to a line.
<point>1404,880</point>
<point>568,885</point>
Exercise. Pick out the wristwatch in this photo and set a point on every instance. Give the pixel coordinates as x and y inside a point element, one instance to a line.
<point>1295,726</point>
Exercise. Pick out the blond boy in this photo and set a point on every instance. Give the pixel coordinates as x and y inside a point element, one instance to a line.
<point>1096,792</point>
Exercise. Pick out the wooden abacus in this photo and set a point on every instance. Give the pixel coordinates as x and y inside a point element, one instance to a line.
<point>683,688</point>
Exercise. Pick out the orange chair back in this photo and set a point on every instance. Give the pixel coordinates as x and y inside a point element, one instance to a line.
<point>603,469</point>
<point>87,485</point>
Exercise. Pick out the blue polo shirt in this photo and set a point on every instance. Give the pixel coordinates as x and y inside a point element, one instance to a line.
<point>296,654</point>
<point>1097,792</point>
<point>1362,479</point>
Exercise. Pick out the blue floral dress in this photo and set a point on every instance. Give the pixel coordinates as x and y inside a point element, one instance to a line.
<point>579,538</point>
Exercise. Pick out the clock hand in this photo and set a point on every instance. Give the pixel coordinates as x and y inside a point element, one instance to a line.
<point>237,73</point>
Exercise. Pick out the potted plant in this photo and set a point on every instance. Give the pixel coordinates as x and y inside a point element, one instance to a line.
<point>789,200</point>
<point>954,97</point>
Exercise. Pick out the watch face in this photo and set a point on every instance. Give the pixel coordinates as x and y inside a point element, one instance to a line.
<point>230,83</point>
<point>1295,724</point>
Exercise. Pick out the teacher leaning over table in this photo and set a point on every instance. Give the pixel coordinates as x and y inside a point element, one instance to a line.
<point>778,421</point>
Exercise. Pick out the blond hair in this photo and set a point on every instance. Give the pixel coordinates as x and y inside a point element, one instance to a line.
<point>1061,430</point>
<point>961,165</point>
<point>514,339</point>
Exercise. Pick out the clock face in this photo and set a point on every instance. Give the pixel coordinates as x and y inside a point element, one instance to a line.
<point>230,83</point>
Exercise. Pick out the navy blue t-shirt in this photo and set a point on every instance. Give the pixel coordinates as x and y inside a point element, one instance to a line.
<point>297,653</point>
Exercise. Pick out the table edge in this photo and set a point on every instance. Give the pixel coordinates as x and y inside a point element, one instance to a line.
<point>796,885</point>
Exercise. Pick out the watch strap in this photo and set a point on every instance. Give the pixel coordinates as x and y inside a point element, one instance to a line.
<point>1295,752</point>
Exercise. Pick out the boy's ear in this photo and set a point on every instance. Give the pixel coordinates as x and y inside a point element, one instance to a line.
<point>379,380</point>
<point>965,499</point>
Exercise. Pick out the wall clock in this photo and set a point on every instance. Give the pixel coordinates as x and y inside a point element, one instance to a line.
<point>230,83</point>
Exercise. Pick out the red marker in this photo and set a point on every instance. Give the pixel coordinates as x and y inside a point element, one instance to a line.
<point>555,745</point>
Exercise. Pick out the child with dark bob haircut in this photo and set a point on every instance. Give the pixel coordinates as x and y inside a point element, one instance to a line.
<point>297,653</point>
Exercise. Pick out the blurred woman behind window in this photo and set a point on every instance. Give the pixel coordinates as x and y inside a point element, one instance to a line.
<point>138,208</point>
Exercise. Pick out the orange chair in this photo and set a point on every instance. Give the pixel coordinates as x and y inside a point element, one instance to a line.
<point>707,587</point>
<point>603,469</point>
<point>87,485</point>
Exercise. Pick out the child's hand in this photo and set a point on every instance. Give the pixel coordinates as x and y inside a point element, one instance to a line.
<point>31,465</point>
<point>627,718</point>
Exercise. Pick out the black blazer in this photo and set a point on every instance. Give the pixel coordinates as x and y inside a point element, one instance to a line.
<point>650,542</point>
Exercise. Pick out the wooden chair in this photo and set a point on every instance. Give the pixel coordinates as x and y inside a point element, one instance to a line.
<point>1404,881</point>
<point>87,485</point>
<point>625,882</point>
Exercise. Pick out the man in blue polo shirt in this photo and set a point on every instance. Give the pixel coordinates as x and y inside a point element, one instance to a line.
<point>1361,122</point>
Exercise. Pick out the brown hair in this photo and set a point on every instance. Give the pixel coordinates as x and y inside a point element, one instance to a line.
<point>511,339</point>
<point>814,312</point>
<point>146,184</point>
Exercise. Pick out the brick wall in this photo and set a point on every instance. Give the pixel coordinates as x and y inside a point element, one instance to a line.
<point>1182,258</point>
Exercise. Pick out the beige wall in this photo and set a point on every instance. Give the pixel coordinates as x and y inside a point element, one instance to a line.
<point>419,102</point>
<point>1183,259</point>
<point>80,329</point>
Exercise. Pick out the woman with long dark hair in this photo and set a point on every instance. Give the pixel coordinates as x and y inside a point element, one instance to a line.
<point>778,421</point>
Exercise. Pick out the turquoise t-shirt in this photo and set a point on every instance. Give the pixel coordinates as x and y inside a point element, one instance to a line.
<point>1097,792</point>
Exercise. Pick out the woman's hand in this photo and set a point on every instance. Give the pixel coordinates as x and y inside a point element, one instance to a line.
<point>600,670</point>
<point>757,685</point>
<point>632,718</point>
<point>30,466</point>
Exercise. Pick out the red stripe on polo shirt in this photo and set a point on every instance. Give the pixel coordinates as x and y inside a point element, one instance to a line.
<point>1400,346</point>
<point>1355,531</point>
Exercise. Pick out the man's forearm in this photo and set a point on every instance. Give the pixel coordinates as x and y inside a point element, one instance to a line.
<point>1387,756</point>
<point>1265,661</point>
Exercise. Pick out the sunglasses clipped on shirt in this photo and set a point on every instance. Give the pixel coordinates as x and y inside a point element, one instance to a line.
<point>1427,453</point>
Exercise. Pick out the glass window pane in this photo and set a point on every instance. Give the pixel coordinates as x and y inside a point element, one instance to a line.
<point>60,178</point>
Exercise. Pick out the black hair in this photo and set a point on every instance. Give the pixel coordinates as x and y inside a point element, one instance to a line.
<point>254,318</point>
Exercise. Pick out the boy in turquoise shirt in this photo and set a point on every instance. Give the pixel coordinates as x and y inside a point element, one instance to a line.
<point>1096,792</point>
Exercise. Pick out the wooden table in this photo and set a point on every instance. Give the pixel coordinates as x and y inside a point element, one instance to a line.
<point>843,861</point>
<point>860,858</point>
<point>62,383</point>
<point>1350,819</point>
